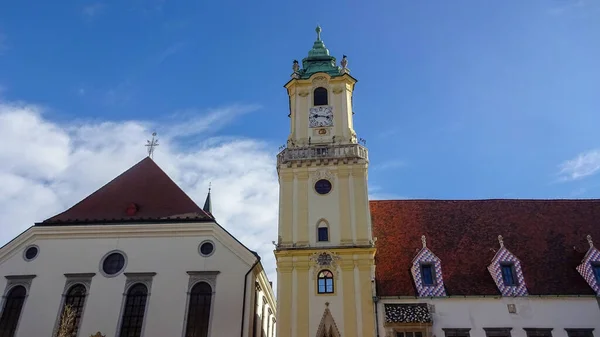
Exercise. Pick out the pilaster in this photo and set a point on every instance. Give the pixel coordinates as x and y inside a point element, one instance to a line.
<point>361,209</point>
<point>302,207</point>
<point>302,306</point>
<point>284,298</point>
<point>349,298</point>
<point>345,207</point>
<point>286,191</point>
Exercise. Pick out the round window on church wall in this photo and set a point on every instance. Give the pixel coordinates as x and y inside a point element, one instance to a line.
<point>31,253</point>
<point>206,248</point>
<point>113,264</point>
<point>323,186</point>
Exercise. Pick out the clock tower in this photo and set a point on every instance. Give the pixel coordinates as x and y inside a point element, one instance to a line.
<point>325,252</point>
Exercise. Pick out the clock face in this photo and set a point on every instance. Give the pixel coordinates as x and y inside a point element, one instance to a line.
<point>320,116</point>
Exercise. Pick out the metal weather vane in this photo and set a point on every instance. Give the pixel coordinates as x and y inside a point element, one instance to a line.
<point>152,144</point>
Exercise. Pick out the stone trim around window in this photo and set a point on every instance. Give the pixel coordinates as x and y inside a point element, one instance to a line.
<point>209,277</point>
<point>538,332</point>
<point>14,281</point>
<point>84,279</point>
<point>457,332</point>
<point>497,332</point>
<point>144,278</point>
<point>584,332</point>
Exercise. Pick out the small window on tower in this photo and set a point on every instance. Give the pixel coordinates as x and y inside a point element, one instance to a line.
<point>323,233</point>
<point>325,282</point>
<point>320,96</point>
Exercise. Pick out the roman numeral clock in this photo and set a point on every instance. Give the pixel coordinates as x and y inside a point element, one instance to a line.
<point>320,116</point>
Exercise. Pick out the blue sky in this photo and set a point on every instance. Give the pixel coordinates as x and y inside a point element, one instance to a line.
<point>456,99</point>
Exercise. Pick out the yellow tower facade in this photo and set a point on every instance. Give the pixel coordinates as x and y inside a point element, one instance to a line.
<point>325,252</point>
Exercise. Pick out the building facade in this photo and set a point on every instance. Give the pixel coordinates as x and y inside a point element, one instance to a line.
<point>487,268</point>
<point>324,251</point>
<point>415,268</point>
<point>136,258</point>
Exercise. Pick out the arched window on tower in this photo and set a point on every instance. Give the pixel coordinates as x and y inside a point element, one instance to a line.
<point>320,96</point>
<point>199,310</point>
<point>75,298</point>
<point>12,311</point>
<point>134,311</point>
<point>322,231</point>
<point>325,282</point>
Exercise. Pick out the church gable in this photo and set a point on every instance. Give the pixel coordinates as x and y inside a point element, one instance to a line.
<point>142,193</point>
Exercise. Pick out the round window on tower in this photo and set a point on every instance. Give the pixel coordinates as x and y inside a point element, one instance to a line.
<point>323,186</point>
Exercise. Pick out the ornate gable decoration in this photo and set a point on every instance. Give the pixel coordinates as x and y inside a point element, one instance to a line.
<point>426,257</point>
<point>586,268</point>
<point>327,327</point>
<point>505,258</point>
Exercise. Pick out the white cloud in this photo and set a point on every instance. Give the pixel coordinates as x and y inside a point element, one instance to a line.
<point>92,10</point>
<point>46,167</point>
<point>585,164</point>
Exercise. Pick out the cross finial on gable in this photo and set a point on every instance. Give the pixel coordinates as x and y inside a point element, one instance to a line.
<point>423,241</point>
<point>501,240</point>
<point>589,240</point>
<point>152,144</point>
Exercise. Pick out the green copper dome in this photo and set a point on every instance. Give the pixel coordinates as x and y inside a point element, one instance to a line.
<point>318,61</point>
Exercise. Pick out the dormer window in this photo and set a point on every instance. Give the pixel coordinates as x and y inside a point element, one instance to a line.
<point>596,270</point>
<point>508,274</point>
<point>427,274</point>
<point>320,96</point>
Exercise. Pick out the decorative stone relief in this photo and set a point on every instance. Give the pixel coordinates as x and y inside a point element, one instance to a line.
<point>319,81</point>
<point>323,260</point>
<point>338,89</point>
<point>323,174</point>
<point>18,280</point>
<point>302,93</point>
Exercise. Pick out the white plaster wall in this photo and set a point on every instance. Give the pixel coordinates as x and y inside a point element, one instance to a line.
<point>532,312</point>
<point>169,257</point>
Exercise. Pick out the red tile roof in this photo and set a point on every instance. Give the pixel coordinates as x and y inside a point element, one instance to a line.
<point>143,192</point>
<point>548,236</point>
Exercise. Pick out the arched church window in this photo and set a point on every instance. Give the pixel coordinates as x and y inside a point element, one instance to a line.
<point>12,311</point>
<point>322,232</point>
<point>134,311</point>
<point>74,298</point>
<point>325,282</point>
<point>199,310</point>
<point>320,96</point>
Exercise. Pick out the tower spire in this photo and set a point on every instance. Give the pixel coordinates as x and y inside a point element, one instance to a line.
<point>208,204</point>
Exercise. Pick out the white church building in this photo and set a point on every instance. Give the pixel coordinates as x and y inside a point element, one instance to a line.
<point>136,258</point>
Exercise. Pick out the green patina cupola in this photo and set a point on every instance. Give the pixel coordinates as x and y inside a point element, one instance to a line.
<point>319,61</point>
